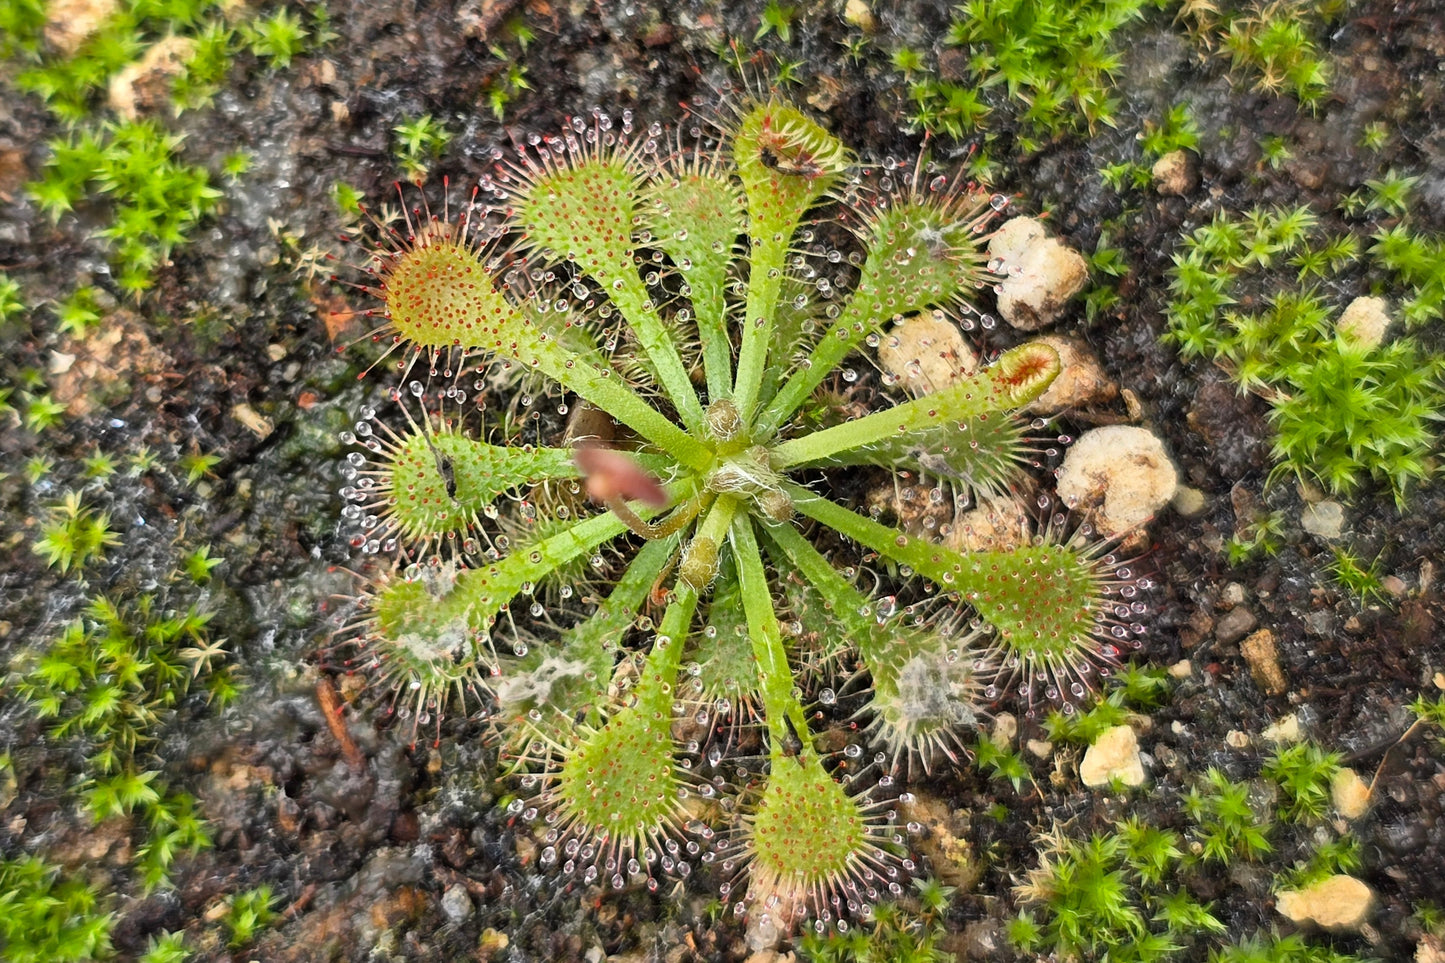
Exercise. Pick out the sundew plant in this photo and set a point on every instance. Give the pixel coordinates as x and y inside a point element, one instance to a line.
<point>643,593</point>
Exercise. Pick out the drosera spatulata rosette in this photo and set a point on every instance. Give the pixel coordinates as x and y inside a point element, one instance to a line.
<point>681,289</point>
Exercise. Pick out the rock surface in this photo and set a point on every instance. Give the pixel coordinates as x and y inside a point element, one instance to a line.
<point>997,523</point>
<point>1339,904</point>
<point>1113,755</point>
<point>1364,321</point>
<point>145,85</point>
<point>1120,472</point>
<point>1350,794</point>
<point>1262,656</point>
<point>925,353</point>
<point>1174,173</point>
<point>1324,519</point>
<point>69,23</point>
<point>1042,273</point>
<point>944,840</point>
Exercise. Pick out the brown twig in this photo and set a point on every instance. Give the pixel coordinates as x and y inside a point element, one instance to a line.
<point>331,708</point>
<point>299,906</point>
<point>1386,758</point>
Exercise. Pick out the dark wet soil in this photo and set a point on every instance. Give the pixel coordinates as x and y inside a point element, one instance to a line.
<point>413,855</point>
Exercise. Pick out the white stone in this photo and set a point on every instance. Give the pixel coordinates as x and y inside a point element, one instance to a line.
<point>926,352</point>
<point>1182,669</point>
<point>1173,173</point>
<point>1048,277</point>
<point>1005,730</point>
<point>69,23</point>
<point>252,420</point>
<point>1324,519</point>
<point>1364,321</point>
<point>997,523</point>
<point>165,59</point>
<point>1014,237</point>
<point>769,956</point>
<point>1286,730</point>
<point>1041,273</point>
<point>1232,595</point>
<point>456,904</point>
<point>1236,739</point>
<point>1339,904</point>
<point>1120,473</point>
<point>1350,794</point>
<point>1113,755</point>
<point>860,15</point>
<point>1188,501</point>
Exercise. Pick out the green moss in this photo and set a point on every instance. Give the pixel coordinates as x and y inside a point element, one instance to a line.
<point>1001,762</point>
<point>1272,44</point>
<point>135,170</point>
<point>249,912</point>
<point>1134,689</point>
<point>1374,136</point>
<point>419,142</point>
<point>508,83</point>
<point>155,197</point>
<point>776,18</point>
<point>1303,773</point>
<point>198,565</point>
<point>49,917</point>
<point>11,303</point>
<point>1229,826</point>
<point>166,948</point>
<point>108,682</point>
<point>106,688</point>
<point>206,68</point>
<point>197,465</point>
<point>1343,412</point>
<point>1176,131</point>
<point>1111,896</point>
<point>1280,949</point>
<point>75,535</point>
<point>79,314</point>
<point>277,39</point>
<point>1134,894</point>
<point>1053,62</point>
<point>1262,535</point>
<point>1330,857</point>
<point>1427,711</point>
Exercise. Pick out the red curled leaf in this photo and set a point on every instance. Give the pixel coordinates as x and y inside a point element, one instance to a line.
<point>611,474</point>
